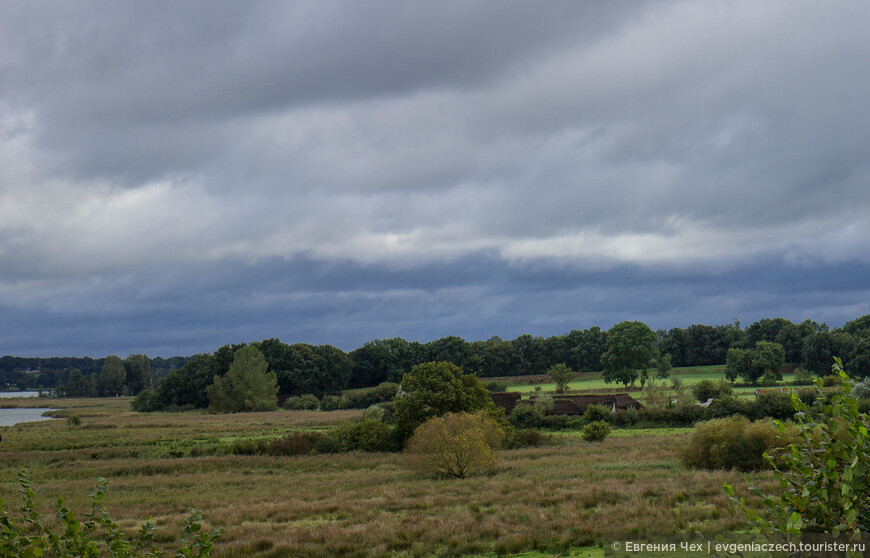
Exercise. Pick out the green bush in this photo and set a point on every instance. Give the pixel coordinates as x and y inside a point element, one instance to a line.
<point>705,389</point>
<point>526,416</point>
<point>375,412</point>
<point>625,419</point>
<point>774,404</point>
<point>596,413</point>
<point>27,536</point>
<point>332,403</point>
<point>295,443</point>
<point>74,420</point>
<point>307,402</point>
<point>497,386</point>
<point>544,403</point>
<point>802,377</point>
<point>831,381</point>
<point>555,422</point>
<point>732,443</point>
<point>146,401</point>
<point>526,437</point>
<point>732,405</point>
<point>861,389</point>
<point>364,435</point>
<point>596,431</point>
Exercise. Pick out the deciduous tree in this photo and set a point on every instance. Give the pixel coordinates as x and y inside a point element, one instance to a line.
<point>630,347</point>
<point>433,389</point>
<point>561,374</point>
<point>246,386</point>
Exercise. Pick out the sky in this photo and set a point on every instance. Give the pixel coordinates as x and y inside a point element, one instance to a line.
<point>178,176</point>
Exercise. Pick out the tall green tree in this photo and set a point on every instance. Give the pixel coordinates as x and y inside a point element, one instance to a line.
<point>138,369</point>
<point>738,363</point>
<point>112,376</point>
<point>822,347</point>
<point>247,386</point>
<point>631,346</point>
<point>561,374</point>
<point>433,389</point>
<point>663,367</point>
<point>767,357</point>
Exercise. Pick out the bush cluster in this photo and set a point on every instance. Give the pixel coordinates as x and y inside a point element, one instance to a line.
<point>295,443</point>
<point>705,389</point>
<point>526,416</point>
<point>772,404</point>
<point>527,437</point>
<point>597,413</point>
<point>596,431</point>
<point>385,392</point>
<point>365,435</point>
<point>733,443</point>
<point>307,402</point>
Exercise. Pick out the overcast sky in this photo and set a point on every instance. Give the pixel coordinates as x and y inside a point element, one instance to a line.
<point>177,176</point>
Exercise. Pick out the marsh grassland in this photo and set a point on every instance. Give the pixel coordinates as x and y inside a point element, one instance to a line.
<point>550,499</point>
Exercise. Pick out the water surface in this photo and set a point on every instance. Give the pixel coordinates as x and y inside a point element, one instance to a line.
<point>8,417</point>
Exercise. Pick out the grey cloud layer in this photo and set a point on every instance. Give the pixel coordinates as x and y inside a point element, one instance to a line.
<point>591,137</point>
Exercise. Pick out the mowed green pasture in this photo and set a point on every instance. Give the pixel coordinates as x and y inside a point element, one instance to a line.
<point>548,500</point>
<point>689,375</point>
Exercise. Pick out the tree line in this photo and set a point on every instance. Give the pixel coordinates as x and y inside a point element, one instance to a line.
<point>319,369</point>
<point>80,376</point>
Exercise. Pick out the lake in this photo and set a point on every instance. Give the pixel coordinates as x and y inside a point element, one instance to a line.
<point>19,394</point>
<point>8,417</point>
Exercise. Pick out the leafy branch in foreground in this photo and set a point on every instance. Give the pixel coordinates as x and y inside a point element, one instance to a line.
<point>27,536</point>
<point>824,474</point>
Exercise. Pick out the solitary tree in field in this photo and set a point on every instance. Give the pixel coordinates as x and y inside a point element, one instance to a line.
<point>436,388</point>
<point>630,348</point>
<point>246,386</point>
<point>561,374</point>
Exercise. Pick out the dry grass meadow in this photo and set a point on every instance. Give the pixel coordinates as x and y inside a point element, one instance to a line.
<point>550,499</point>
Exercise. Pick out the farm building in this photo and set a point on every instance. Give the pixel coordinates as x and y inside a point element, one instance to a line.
<point>570,404</point>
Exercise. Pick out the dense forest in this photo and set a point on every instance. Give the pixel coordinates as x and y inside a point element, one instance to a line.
<point>319,369</point>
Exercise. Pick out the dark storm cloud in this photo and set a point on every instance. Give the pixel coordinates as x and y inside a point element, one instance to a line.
<point>347,304</point>
<point>177,176</point>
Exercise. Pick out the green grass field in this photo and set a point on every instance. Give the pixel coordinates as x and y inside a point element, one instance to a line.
<point>688,375</point>
<point>570,498</point>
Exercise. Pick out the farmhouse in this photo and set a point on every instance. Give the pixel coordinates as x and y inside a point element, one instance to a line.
<point>570,404</point>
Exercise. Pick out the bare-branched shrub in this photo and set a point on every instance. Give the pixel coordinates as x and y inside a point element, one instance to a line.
<point>455,445</point>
